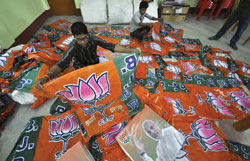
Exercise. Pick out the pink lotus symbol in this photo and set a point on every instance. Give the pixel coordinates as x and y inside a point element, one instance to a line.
<point>206,136</point>
<point>189,67</point>
<point>241,99</point>
<point>178,109</point>
<point>63,129</point>
<point>90,92</point>
<point>87,92</point>
<point>216,104</point>
<point>112,132</point>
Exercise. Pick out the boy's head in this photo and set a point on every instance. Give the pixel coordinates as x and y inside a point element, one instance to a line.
<point>143,7</point>
<point>79,28</point>
<point>80,32</point>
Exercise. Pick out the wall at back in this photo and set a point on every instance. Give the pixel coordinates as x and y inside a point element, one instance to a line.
<point>16,16</point>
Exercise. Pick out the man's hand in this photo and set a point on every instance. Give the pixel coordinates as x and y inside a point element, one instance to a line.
<point>40,82</point>
<point>150,25</point>
<point>139,144</point>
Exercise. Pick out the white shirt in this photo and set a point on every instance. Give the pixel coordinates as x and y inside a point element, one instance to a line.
<point>168,146</point>
<point>136,19</point>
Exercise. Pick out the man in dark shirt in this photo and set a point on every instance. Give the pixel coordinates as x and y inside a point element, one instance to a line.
<point>82,50</point>
<point>242,14</point>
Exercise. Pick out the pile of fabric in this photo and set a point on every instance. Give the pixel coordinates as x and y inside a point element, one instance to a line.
<point>188,84</point>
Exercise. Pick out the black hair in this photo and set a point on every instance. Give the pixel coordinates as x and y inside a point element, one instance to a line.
<point>79,28</point>
<point>143,4</point>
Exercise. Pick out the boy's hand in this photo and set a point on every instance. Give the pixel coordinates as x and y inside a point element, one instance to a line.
<point>40,82</point>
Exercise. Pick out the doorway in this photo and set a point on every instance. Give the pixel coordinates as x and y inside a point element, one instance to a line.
<point>62,7</point>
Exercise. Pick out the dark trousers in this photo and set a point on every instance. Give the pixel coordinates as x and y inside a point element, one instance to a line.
<point>140,32</point>
<point>243,23</point>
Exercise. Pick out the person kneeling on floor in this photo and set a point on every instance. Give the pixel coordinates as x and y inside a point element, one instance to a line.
<point>138,29</point>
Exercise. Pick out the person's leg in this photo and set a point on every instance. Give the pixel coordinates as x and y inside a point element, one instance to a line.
<point>232,19</point>
<point>139,33</point>
<point>243,23</point>
<point>147,28</point>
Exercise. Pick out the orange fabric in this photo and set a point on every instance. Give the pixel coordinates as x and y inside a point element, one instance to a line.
<point>121,32</point>
<point>100,80</point>
<point>170,40</point>
<point>102,29</point>
<point>107,141</point>
<point>215,103</point>
<point>39,102</point>
<point>203,139</point>
<point>54,86</point>
<point>172,71</point>
<point>145,61</point>
<point>155,102</point>
<point>218,51</point>
<point>42,42</point>
<point>64,42</point>
<point>153,47</point>
<point>220,62</point>
<point>55,126</point>
<point>7,59</point>
<point>191,66</point>
<point>47,56</point>
<point>129,42</point>
<point>115,112</point>
<point>109,39</point>
<point>244,68</point>
<point>61,25</point>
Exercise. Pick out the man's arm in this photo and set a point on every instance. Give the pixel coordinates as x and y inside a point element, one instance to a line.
<point>149,24</point>
<point>54,71</point>
<point>154,18</point>
<point>139,144</point>
<point>122,49</point>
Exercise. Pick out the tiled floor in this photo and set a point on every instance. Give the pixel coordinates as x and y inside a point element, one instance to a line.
<point>192,29</point>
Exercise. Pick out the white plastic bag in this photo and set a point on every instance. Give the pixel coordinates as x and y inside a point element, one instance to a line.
<point>23,98</point>
<point>119,11</point>
<point>94,11</point>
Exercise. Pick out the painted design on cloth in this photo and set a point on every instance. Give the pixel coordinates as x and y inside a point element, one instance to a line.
<point>146,59</point>
<point>182,155</point>
<point>240,98</point>
<point>155,46</point>
<point>63,129</point>
<point>206,136</point>
<point>178,109</point>
<point>189,67</point>
<point>89,93</point>
<point>220,63</point>
<point>240,149</point>
<point>215,103</point>
<point>4,58</point>
<point>125,42</point>
<point>112,132</point>
<point>66,42</point>
<point>175,69</point>
<point>245,69</point>
<point>64,25</point>
<point>169,39</point>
